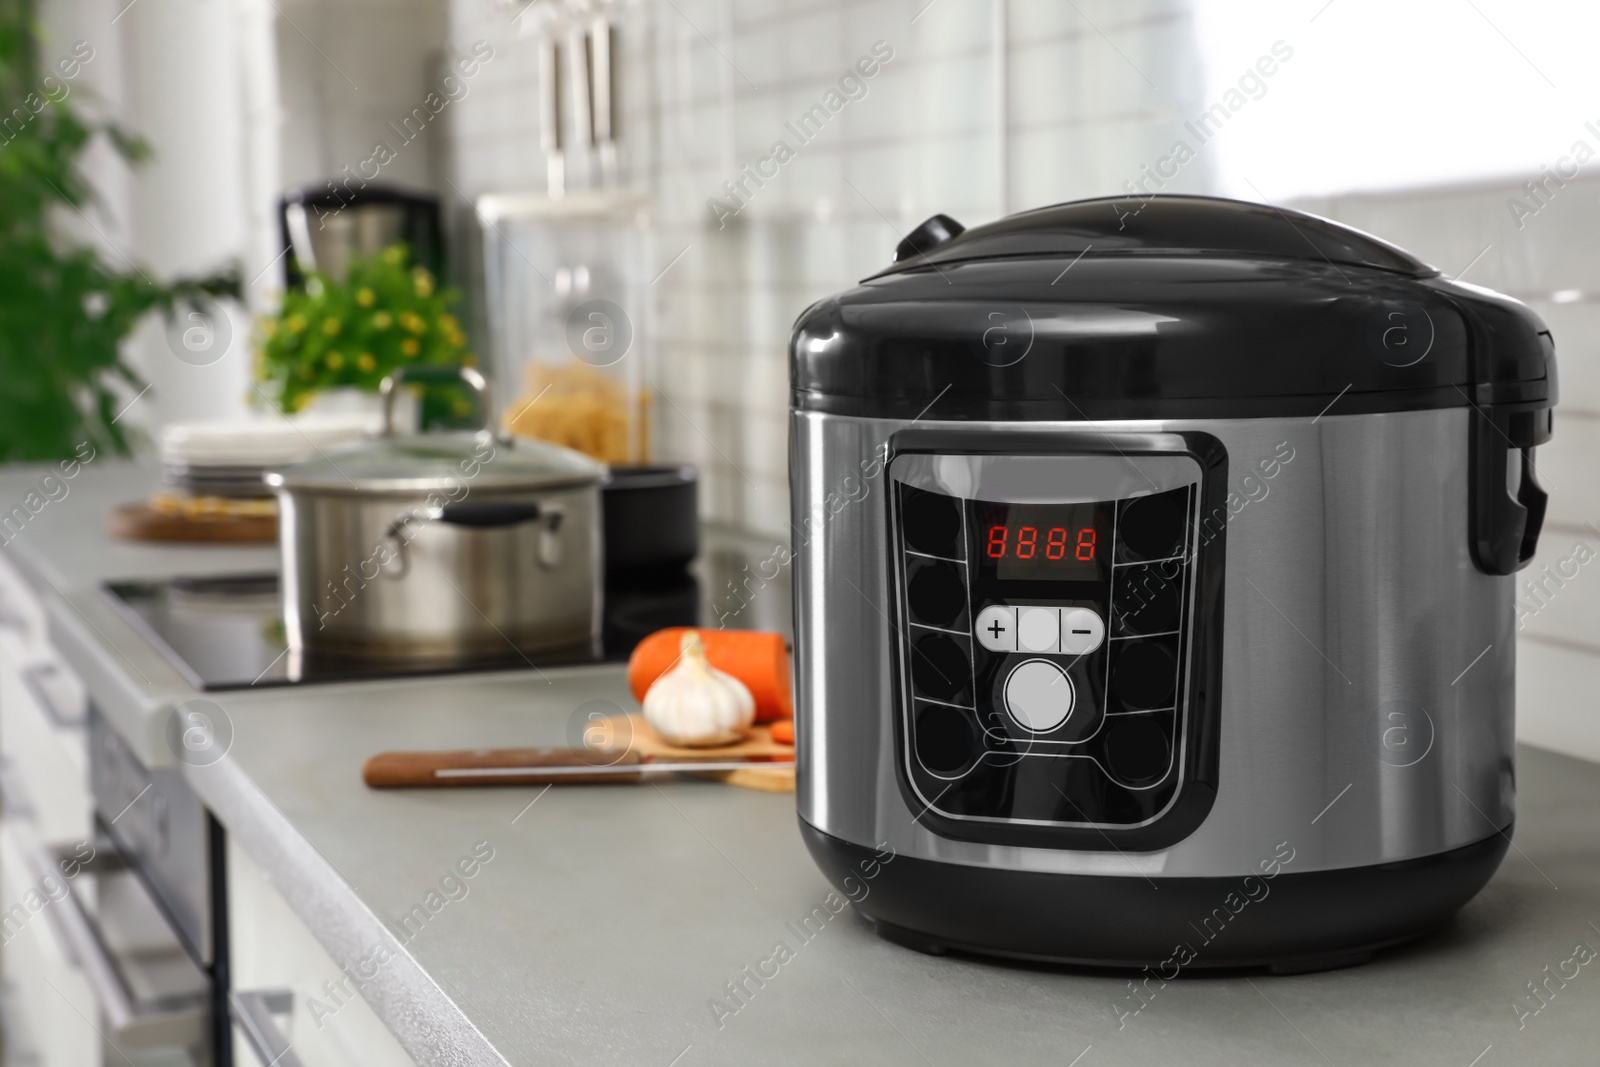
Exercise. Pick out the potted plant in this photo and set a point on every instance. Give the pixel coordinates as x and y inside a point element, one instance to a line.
<point>353,332</point>
<point>64,312</point>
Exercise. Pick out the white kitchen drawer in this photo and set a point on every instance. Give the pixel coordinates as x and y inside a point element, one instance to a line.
<point>96,972</point>
<point>21,611</point>
<point>273,950</point>
<point>48,1001</point>
<point>43,741</point>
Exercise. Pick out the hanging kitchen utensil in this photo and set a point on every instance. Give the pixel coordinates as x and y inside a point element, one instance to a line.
<point>550,140</point>
<point>602,96</point>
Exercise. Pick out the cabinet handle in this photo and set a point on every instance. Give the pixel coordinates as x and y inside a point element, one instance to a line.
<point>254,1011</point>
<point>128,1024</point>
<point>83,942</point>
<point>31,678</point>
<point>13,798</point>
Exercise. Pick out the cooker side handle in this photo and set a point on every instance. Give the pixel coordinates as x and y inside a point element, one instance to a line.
<point>1507,501</point>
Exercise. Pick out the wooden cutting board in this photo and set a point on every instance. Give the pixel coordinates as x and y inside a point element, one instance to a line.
<point>141,522</point>
<point>631,731</point>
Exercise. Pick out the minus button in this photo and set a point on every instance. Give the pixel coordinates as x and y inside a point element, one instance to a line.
<point>1082,631</point>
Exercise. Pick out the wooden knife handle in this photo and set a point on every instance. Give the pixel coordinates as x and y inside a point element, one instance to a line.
<point>396,770</point>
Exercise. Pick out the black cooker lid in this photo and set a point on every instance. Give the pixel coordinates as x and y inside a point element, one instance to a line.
<point>1162,307</point>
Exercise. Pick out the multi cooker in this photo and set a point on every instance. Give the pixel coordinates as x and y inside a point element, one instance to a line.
<point>1154,595</point>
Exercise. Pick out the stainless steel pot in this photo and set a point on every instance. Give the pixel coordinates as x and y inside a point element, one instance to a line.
<point>444,546</point>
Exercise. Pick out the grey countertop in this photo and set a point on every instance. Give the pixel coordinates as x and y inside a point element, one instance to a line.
<point>609,918</point>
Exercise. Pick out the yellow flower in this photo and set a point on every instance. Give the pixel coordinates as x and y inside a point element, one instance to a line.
<point>300,401</point>
<point>295,322</point>
<point>334,360</point>
<point>365,297</point>
<point>365,362</point>
<point>410,347</point>
<point>331,327</point>
<point>412,321</point>
<point>469,360</point>
<point>305,374</point>
<point>392,254</point>
<point>382,320</point>
<point>448,322</point>
<point>422,281</point>
<point>269,328</point>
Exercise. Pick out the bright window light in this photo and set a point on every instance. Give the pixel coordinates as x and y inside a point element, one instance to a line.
<point>1383,94</point>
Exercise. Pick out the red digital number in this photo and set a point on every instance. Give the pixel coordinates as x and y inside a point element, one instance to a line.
<point>1027,542</point>
<point>1055,545</point>
<point>997,542</point>
<point>1085,548</point>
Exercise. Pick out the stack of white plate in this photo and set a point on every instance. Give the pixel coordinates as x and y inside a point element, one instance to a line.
<point>231,459</point>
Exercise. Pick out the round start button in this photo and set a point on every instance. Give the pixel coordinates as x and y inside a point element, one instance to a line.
<point>1039,695</point>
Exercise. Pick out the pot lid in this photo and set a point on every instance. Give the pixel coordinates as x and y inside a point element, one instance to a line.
<point>424,463</point>
<point>1162,307</point>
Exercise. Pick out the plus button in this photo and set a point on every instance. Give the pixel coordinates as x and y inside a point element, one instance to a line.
<point>996,628</point>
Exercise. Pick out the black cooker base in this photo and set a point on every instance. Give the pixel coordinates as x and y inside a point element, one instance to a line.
<point>1295,922</point>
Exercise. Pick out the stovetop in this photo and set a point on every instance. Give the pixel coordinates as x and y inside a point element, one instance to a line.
<point>227,632</point>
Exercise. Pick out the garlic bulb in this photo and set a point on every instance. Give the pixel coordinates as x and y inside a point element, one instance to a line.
<point>696,705</point>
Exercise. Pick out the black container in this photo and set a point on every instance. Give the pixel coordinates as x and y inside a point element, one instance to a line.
<point>652,518</point>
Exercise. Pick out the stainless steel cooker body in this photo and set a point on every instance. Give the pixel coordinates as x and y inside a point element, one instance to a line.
<point>1365,709</point>
<point>402,575</point>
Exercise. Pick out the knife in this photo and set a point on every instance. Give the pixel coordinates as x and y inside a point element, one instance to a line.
<point>537,766</point>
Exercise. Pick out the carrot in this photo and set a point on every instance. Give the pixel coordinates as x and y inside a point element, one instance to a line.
<point>758,659</point>
<point>783,731</point>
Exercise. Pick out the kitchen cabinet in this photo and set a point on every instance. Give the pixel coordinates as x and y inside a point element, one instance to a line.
<point>45,796</point>
<point>42,740</point>
<point>47,999</point>
<point>323,1019</point>
<point>98,978</point>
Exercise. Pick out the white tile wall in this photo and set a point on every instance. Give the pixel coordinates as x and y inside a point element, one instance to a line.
<point>709,84</point>
<point>1093,90</point>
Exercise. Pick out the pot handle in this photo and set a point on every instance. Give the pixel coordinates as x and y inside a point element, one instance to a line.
<point>399,535</point>
<point>436,376</point>
<point>490,513</point>
<point>511,513</point>
<point>484,514</point>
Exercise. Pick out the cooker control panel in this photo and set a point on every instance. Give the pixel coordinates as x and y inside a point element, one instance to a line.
<point>1030,628</point>
<point>1046,609</point>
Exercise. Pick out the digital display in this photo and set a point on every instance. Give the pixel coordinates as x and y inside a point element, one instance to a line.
<point>1026,543</point>
<point>1061,542</point>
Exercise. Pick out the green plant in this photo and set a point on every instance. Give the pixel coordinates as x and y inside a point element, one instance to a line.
<point>383,315</point>
<point>63,311</point>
